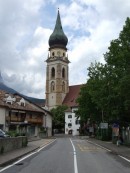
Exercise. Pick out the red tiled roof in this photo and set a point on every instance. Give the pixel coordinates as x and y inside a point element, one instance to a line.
<point>72,95</point>
<point>28,105</point>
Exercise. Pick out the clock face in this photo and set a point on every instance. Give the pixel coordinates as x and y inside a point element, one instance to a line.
<point>58,53</point>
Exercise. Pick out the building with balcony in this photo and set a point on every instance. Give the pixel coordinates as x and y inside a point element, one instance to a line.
<point>20,115</point>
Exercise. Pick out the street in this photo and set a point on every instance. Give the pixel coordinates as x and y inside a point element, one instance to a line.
<point>67,155</point>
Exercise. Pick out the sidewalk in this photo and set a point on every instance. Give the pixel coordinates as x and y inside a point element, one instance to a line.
<point>121,150</point>
<point>11,156</point>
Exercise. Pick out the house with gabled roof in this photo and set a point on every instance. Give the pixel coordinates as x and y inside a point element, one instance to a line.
<point>21,115</point>
<point>72,120</point>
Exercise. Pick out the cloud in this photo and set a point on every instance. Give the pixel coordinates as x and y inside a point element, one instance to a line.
<point>95,24</point>
<point>25,27</point>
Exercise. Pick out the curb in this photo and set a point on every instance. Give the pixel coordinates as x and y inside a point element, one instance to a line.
<point>110,149</point>
<point>16,158</point>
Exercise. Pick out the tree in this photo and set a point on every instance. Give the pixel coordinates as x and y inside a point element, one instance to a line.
<point>58,117</point>
<point>118,59</point>
<point>87,108</point>
<point>107,90</point>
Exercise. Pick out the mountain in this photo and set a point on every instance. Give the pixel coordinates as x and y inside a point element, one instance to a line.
<point>40,102</point>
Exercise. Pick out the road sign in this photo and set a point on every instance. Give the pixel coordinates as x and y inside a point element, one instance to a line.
<point>104,125</point>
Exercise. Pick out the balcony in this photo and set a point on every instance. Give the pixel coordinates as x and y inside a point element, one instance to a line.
<point>35,121</point>
<point>29,120</point>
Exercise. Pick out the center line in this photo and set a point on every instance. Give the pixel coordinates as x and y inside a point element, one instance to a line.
<point>75,159</point>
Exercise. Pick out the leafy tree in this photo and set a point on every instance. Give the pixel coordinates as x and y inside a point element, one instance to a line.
<point>87,108</point>
<point>58,114</point>
<point>118,59</point>
<point>107,91</point>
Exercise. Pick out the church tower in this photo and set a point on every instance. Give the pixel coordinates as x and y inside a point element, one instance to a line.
<point>57,78</point>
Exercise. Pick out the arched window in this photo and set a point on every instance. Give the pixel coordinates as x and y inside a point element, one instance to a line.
<point>52,86</point>
<point>69,116</point>
<point>63,73</point>
<point>53,72</point>
<point>63,86</point>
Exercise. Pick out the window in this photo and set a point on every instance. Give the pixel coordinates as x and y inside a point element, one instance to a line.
<point>63,54</point>
<point>22,104</point>
<point>53,53</point>
<point>69,116</point>
<point>69,125</point>
<point>53,72</point>
<point>77,122</point>
<point>52,86</point>
<point>63,73</point>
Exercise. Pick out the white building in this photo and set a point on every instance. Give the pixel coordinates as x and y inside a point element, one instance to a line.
<point>72,121</point>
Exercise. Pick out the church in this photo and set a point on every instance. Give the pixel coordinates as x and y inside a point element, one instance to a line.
<point>58,91</point>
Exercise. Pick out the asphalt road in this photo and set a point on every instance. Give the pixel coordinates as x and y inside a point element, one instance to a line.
<point>70,156</point>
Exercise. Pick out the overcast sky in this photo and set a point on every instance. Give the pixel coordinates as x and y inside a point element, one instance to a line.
<point>25,27</point>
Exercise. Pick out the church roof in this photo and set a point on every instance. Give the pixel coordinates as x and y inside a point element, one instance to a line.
<point>72,95</point>
<point>58,38</point>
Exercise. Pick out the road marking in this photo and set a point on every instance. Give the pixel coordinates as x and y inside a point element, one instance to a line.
<point>75,158</point>
<point>98,145</point>
<point>124,158</point>
<point>109,151</point>
<point>88,148</point>
<point>26,157</point>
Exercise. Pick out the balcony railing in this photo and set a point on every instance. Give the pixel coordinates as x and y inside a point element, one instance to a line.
<point>29,120</point>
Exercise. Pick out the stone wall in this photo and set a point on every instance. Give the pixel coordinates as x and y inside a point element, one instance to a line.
<point>8,144</point>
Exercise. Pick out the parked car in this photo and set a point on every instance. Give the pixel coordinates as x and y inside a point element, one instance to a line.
<point>3,134</point>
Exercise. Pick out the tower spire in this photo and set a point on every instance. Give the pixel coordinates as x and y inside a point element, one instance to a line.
<point>58,37</point>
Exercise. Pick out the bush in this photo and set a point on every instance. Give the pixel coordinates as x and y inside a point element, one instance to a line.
<point>12,133</point>
<point>15,134</point>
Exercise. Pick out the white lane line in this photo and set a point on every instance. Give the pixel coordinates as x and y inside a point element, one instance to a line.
<point>98,145</point>
<point>17,161</point>
<point>124,158</point>
<point>75,158</point>
<point>25,157</point>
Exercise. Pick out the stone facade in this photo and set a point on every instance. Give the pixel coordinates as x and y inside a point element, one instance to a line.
<point>57,67</point>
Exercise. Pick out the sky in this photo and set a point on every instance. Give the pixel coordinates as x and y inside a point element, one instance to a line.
<point>25,28</point>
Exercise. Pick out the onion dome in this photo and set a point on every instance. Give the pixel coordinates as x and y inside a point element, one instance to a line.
<point>58,38</point>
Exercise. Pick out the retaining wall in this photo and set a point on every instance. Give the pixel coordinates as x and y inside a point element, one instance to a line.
<point>8,144</point>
